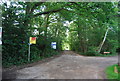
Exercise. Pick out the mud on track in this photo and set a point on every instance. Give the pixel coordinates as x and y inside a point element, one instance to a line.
<point>69,65</point>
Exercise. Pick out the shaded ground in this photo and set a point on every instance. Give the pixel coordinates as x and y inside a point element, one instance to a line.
<point>69,65</point>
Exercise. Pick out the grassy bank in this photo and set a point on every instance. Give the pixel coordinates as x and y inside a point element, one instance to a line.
<point>110,72</point>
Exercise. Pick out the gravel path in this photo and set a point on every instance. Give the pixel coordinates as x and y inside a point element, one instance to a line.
<point>67,66</point>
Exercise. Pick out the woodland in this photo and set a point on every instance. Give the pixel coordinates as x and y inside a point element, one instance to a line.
<point>88,28</point>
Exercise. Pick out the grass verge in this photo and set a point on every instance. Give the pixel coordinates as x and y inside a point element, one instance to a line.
<point>110,72</point>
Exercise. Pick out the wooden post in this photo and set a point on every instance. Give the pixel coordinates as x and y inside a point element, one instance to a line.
<point>115,69</point>
<point>29,53</point>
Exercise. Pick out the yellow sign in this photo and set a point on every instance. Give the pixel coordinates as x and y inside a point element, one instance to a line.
<point>32,40</point>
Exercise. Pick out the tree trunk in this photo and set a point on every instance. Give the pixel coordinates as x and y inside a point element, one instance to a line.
<point>100,47</point>
<point>46,25</point>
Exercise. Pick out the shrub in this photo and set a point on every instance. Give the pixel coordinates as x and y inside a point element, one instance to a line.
<point>91,51</point>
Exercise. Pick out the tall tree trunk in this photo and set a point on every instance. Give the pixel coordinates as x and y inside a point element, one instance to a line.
<point>81,43</point>
<point>56,31</point>
<point>85,39</point>
<point>46,25</point>
<point>59,41</point>
<point>100,47</point>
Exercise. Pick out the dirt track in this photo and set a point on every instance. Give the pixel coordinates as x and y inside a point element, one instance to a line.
<point>67,66</point>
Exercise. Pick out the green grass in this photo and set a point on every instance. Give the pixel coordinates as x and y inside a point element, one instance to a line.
<point>110,72</point>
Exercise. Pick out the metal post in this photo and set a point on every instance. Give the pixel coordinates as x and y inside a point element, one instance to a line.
<point>29,53</point>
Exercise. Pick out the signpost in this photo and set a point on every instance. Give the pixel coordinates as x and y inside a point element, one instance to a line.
<point>0,53</point>
<point>32,40</point>
<point>53,45</point>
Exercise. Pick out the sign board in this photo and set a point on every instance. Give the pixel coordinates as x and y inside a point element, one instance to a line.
<point>53,45</point>
<point>0,35</point>
<point>32,40</point>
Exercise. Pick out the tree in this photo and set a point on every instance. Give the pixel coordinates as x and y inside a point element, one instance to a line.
<point>87,24</point>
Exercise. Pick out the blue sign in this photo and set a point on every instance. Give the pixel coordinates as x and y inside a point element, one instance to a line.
<point>53,45</point>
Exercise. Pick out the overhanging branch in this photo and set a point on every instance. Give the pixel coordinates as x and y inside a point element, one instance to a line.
<point>47,12</point>
<point>51,11</point>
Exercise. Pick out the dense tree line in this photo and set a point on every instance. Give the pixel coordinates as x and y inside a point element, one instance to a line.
<point>89,29</point>
<point>80,25</point>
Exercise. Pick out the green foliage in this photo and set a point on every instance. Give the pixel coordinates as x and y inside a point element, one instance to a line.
<point>50,52</point>
<point>110,72</point>
<point>14,41</point>
<point>35,53</point>
<point>92,52</point>
<point>80,25</point>
<point>16,37</point>
<point>88,31</point>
